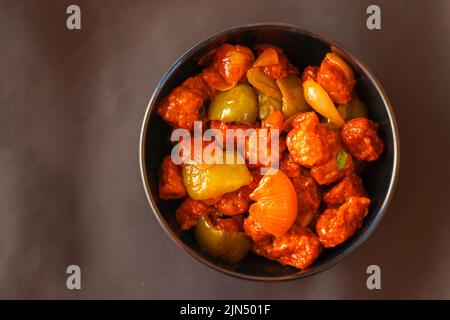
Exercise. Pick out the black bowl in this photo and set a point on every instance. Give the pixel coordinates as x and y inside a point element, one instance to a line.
<point>303,48</point>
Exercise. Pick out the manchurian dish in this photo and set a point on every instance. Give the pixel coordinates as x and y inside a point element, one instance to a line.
<point>316,199</point>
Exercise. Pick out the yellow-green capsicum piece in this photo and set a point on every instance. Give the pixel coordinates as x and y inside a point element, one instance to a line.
<point>227,245</point>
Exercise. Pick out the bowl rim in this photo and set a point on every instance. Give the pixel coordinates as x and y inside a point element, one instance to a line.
<point>193,253</point>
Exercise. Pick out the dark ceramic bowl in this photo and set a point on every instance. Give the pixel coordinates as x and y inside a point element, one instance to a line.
<point>303,48</point>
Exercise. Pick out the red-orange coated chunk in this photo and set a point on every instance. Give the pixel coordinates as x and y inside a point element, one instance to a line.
<point>298,248</point>
<point>308,193</point>
<point>231,225</point>
<point>330,172</point>
<point>274,121</point>
<point>335,82</point>
<point>310,72</point>
<point>232,62</point>
<point>307,142</point>
<point>334,226</point>
<point>189,211</point>
<point>259,149</point>
<point>281,69</point>
<point>308,198</point>
<point>171,184</point>
<point>351,186</point>
<point>254,229</point>
<point>224,126</point>
<point>181,108</point>
<point>289,166</point>
<point>360,137</point>
<point>236,202</point>
<point>200,87</point>
<point>339,163</point>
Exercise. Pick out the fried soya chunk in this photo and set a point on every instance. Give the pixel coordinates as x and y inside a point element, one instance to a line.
<point>331,171</point>
<point>230,224</point>
<point>240,221</point>
<point>308,142</point>
<point>214,80</point>
<point>308,194</point>
<point>308,198</point>
<point>254,229</point>
<point>274,121</point>
<point>171,184</point>
<point>181,108</point>
<point>211,201</point>
<point>298,248</point>
<point>335,82</point>
<point>199,86</point>
<point>189,211</point>
<point>336,225</point>
<point>232,62</point>
<point>310,73</point>
<point>259,155</point>
<point>280,70</point>
<point>223,126</point>
<point>351,186</point>
<point>360,137</point>
<point>289,166</point>
<point>254,157</point>
<point>238,202</point>
<point>187,148</point>
<point>338,165</point>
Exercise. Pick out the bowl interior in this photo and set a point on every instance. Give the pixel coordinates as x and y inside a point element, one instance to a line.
<point>303,49</point>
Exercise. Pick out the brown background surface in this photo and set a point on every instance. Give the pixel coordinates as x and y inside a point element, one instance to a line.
<point>71,106</point>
